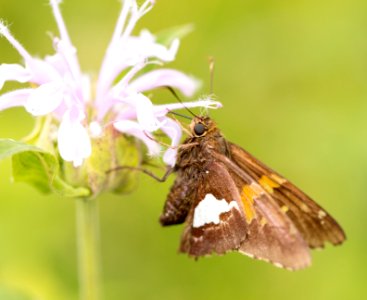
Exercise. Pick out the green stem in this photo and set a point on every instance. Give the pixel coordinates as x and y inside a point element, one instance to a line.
<point>89,266</point>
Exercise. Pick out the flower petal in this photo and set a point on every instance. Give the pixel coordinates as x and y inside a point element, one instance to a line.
<point>70,60</point>
<point>45,99</point>
<point>146,46</point>
<point>174,132</point>
<point>73,140</point>
<point>169,157</point>
<point>4,31</point>
<point>57,62</point>
<point>42,71</point>
<point>13,72</point>
<point>127,52</point>
<point>14,98</point>
<point>207,103</point>
<point>108,70</point>
<point>166,77</point>
<point>161,110</point>
<point>135,129</point>
<point>172,129</point>
<point>145,113</point>
<point>138,48</point>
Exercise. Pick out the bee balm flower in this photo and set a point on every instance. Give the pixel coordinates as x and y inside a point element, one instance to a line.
<point>63,92</point>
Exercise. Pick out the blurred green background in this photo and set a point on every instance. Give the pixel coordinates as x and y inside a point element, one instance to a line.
<point>292,77</point>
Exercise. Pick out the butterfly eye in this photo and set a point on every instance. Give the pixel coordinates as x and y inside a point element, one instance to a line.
<point>199,129</point>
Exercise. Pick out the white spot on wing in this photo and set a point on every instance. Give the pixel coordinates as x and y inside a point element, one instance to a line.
<point>210,209</point>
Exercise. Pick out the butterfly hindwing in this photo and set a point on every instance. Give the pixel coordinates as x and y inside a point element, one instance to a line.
<point>179,200</point>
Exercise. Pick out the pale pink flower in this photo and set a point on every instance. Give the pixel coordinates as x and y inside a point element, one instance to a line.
<point>63,91</point>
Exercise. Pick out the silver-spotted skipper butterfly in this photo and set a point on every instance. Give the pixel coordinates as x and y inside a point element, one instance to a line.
<point>230,201</point>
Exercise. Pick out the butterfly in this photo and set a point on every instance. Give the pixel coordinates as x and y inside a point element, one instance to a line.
<point>230,201</point>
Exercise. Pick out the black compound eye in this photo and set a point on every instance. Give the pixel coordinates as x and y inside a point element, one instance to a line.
<point>199,129</point>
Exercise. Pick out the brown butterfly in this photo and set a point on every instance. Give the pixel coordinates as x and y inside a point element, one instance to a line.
<point>230,201</point>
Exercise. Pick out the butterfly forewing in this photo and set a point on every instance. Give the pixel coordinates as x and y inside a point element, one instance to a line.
<point>313,222</point>
<point>271,235</point>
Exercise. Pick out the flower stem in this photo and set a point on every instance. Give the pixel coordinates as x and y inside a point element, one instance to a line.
<point>89,266</point>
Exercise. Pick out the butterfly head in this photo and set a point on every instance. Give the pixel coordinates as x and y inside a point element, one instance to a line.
<point>202,126</point>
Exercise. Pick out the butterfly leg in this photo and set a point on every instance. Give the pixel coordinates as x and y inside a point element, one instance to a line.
<point>145,171</point>
<point>157,141</point>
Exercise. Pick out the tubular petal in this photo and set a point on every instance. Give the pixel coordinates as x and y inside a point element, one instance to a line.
<point>42,71</point>
<point>73,140</point>
<point>162,110</point>
<point>13,72</point>
<point>145,113</point>
<point>169,157</point>
<point>68,52</point>
<point>14,98</point>
<point>166,77</point>
<point>45,99</point>
<point>173,131</point>
<point>129,52</point>
<point>18,46</point>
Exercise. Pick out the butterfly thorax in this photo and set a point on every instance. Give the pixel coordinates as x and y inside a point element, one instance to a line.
<point>196,150</point>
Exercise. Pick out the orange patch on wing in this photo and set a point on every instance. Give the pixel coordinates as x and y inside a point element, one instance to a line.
<point>268,184</point>
<point>248,194</point>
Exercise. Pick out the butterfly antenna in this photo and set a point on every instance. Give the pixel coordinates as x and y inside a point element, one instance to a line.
<point>179,100</point>
<point>180,115</point>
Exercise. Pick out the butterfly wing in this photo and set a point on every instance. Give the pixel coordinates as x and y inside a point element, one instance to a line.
<point>311,220</point>
<point>249,221</point>
<point>179,199</point>
<point>216,222</point>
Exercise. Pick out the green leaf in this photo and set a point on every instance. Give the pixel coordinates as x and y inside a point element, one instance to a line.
<point>10,147</point>
<point>165,37</point>
<point>39,168</point>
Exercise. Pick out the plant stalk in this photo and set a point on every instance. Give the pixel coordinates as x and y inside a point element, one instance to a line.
<point>89,259</point>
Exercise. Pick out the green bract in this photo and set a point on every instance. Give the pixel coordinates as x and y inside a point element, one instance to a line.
<point>49,174</point>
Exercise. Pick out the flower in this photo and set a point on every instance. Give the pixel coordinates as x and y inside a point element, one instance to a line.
<point>60,89</point>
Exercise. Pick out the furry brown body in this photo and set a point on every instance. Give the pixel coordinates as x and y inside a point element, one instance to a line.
<point>192,160</point>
